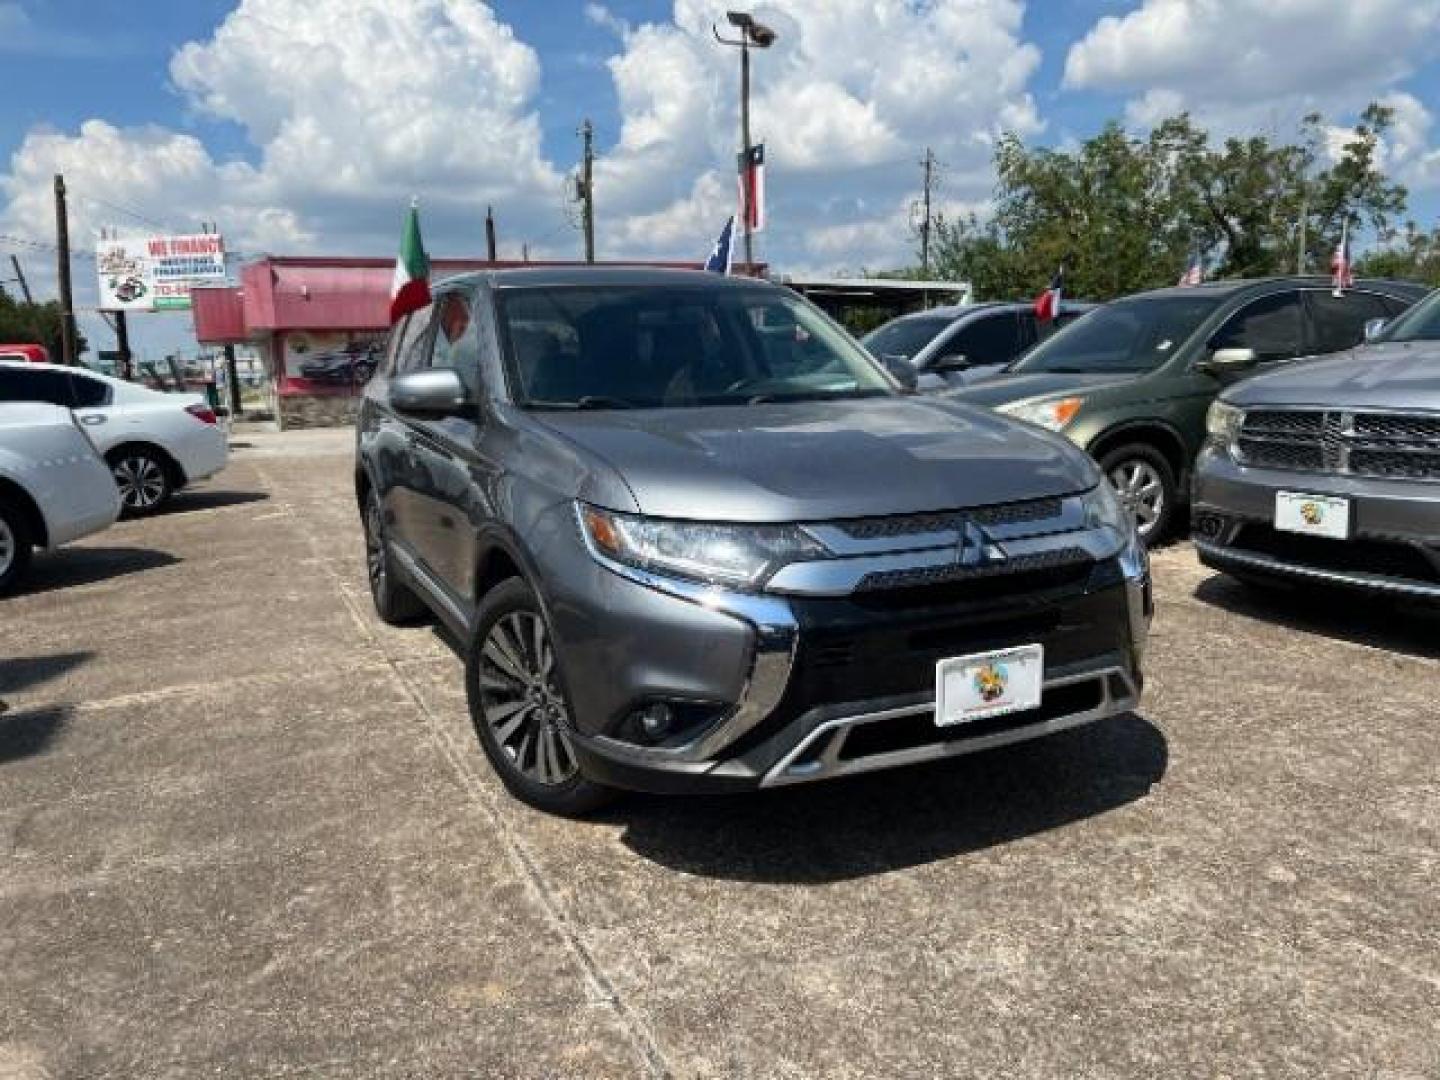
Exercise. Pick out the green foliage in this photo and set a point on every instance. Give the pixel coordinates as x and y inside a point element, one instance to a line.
<point>1414,256</point>
<point>22,323</point>
<point>1123,213</point>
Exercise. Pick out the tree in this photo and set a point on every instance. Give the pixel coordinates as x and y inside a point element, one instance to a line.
<point>1414,256</point>
<point>22,323</point>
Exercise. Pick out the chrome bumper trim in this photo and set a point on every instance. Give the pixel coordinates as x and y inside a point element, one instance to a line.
<point>1375,582</point>
<point>801,766</point>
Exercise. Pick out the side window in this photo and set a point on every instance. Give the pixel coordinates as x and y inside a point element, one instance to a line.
<point>990,339</point>
<point>1394,307</point>
<point>89,393</point>
<point>457,341</point>
<point>414,349</point>
<point>1273,326</point>
<point>51,387</point>
<point>1338,322</point>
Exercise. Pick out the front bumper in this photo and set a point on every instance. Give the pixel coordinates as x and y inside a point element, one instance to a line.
<point>844,683</point>
<point>1394,548</point>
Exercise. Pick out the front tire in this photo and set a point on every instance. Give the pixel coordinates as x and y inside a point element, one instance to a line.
<point>1146,485</point>
<point>16,545</point>
<point>143,478</point>
<point>519,707</point>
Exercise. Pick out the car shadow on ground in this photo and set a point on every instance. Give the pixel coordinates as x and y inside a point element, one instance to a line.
<point>1345,616</point>
<point>23,672</point>
<point>852,828</point>
<point>69,567</point>
<point>189,502</point>
<point>27,732</point>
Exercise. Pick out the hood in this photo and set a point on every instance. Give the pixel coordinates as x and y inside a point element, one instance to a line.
<point>824,460</point>
<point>1004,387</point>
<point>1393,375</point>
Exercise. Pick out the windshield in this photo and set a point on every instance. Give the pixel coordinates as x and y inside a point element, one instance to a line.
<point>1126,336</point>
<point>1420,323</point>
<point>658,346</point>
<point>904,337</point>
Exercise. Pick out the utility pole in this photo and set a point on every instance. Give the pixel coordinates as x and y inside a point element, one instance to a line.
<point>762,37</point>
<point>928,163</point>
<point>525,253</point>
<point>490,232</point>
<point>67,302</point>
<point>20,277</point>
<point>232,379</point>
<point>587,189</point>
<point>1300,244</point>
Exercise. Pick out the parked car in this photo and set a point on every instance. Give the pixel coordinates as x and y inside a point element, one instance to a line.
<point>155,443</point>
<point>693,537</point>
<point>1131,381</point>
<point>1329,472</point>
<point>944,342</point>
<point>340,367</point>
<point>25,353</point>
<point>54,488</point>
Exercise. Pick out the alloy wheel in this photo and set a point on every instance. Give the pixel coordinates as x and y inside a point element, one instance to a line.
<point>141,482</point>
<point>521,699</point>
<point>8,547</point>
<point>1142,491</point>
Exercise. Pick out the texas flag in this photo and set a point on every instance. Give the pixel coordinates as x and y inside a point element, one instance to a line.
<point>1047,304</point>
<point>724,250</point>
<point>1340,262</point>
<point>410,288</point>
<point>752,186</point>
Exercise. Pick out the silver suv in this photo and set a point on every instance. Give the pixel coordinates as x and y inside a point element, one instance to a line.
<point>1328,471</point>
<point>693,537</point>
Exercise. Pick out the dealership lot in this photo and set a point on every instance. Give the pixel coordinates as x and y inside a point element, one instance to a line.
<point>245,828</point>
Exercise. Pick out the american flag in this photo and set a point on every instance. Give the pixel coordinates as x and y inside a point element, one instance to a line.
<point>1047,304</point>
<point>1340,268</point>
<point>1194,273</point>
<point>752,187</point>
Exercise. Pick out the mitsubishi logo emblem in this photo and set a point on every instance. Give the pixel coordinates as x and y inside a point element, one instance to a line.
<point>975,547</point>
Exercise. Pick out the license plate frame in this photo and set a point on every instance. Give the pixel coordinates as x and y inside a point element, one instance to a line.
<point>1305,514</point>
<point>965,691</point>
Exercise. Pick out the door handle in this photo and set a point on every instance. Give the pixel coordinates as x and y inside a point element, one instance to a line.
<point>93,419</point>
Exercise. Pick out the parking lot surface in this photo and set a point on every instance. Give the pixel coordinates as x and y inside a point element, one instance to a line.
<point>245,829</point>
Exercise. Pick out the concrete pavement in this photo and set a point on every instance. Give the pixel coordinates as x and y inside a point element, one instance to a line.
<point>245,829</point>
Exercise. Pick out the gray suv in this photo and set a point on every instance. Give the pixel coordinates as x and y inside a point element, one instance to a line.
<point>1328,471</point>
<point>692,537</point>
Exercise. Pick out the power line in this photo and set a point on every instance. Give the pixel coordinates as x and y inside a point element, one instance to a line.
<point>119,208</point>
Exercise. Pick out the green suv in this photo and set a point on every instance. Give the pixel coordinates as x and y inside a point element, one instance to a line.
<point>1130,382</point>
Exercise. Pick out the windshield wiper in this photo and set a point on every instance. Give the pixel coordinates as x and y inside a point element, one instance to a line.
<point>589,401</point>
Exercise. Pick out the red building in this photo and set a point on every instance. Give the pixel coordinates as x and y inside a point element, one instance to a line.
<point>319,325</point>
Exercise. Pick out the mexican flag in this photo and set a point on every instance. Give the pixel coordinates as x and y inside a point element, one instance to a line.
<point>411,288</point>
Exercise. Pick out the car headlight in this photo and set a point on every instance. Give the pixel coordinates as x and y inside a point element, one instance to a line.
<point>1052,415</point>
<point>744,556</point>
<point>1223,422</point>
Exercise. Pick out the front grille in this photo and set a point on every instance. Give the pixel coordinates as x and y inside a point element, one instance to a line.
<point>1404,446</point>
<point>1359,555</point>
<point>1017,513</point>
<point>1019,573</point>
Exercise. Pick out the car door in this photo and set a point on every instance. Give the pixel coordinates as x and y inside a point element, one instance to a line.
<point>990,338</point>
<point>389,439</point>
<point>443,447</point>
<point>1273,326</point>
<point>93,402</point>
<point>1338,322</point>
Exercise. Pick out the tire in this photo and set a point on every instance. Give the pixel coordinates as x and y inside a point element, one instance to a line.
<point>1145,482</point>
<point>394,603</point>
<point>519,707</point>
<point>144,480</point>
<point>16,546</point>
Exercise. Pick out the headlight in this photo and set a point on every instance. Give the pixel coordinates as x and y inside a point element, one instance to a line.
<point>739,555</point>
<point>1052,415</point>
<point>1223,422</point>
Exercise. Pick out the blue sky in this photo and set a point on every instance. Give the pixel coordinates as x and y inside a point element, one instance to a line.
<point>301,124</point>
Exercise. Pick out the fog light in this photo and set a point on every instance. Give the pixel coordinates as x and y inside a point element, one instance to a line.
<point>655,721</point>
<point>1209,526</point>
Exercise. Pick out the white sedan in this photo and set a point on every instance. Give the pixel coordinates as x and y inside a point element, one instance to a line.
<point>53,486</point>
<point>154,443</point>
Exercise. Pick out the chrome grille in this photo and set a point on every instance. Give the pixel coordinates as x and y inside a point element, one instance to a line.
<point>1380,444</point>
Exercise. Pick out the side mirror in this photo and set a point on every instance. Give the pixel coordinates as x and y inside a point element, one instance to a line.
<point>1229,361</point>
<point>1373,328</point>
<point>954,362</point>
<point>903,371</point>
<point>435,393</point>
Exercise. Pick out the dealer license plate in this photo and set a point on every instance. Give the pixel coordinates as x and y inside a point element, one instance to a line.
<point>988,684</point>
<point>1312,515</point>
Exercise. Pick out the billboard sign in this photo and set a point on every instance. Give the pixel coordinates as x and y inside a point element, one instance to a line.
<point>156,273</point>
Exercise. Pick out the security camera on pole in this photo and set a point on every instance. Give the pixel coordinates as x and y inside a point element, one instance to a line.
<point>752,158</point>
